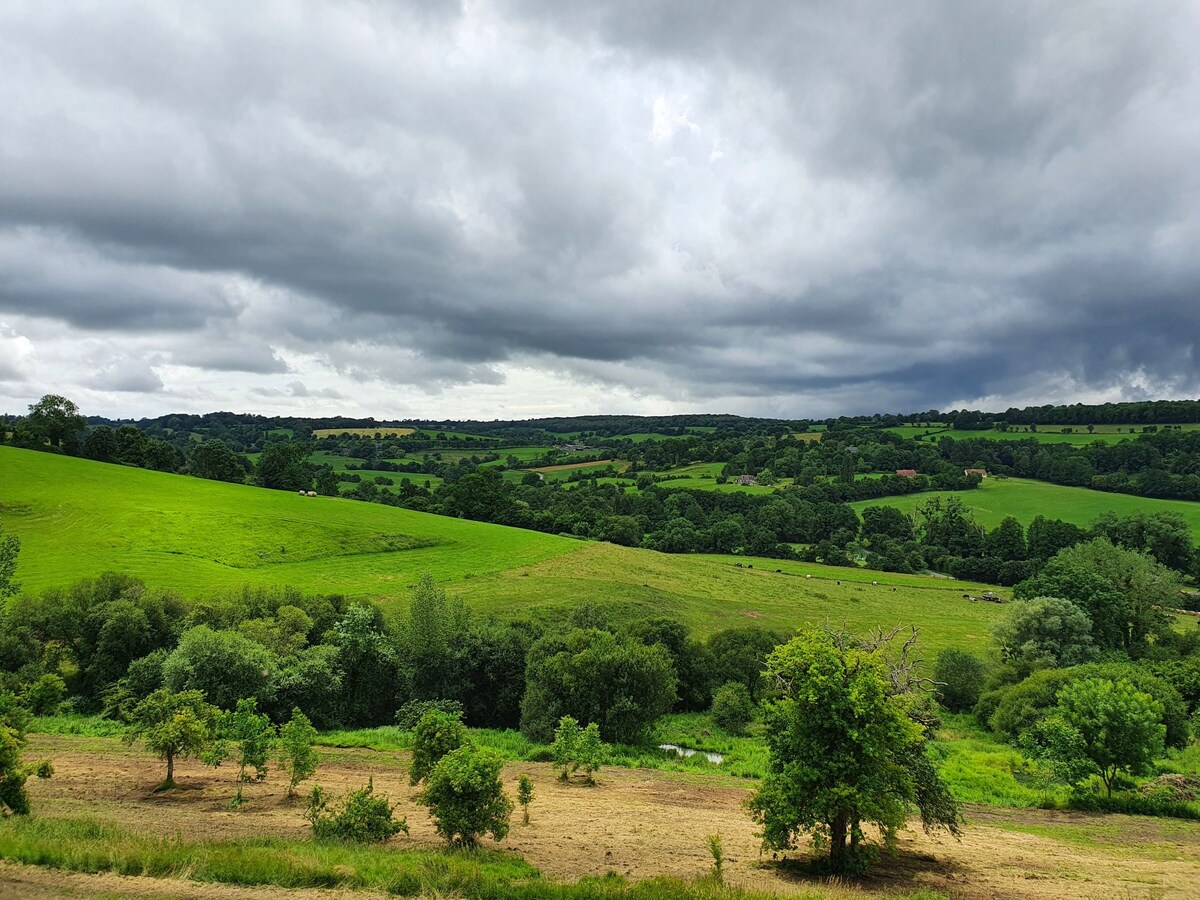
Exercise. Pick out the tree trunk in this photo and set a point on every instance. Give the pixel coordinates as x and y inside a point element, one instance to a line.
<point>170,769</point>
<point>837,843</point>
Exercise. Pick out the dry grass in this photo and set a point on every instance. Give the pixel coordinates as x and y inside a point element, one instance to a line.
<point>640,823</point>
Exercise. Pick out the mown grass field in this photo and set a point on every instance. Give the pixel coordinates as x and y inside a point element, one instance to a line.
<point>99,814</point>
<point>78,518</point>
<point>703,476</point>
<point>1024,499</point>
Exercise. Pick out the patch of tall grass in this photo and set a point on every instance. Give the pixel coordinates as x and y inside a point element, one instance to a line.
<point>979,769</point>
<point>743,756</point>
<point>84,845</point>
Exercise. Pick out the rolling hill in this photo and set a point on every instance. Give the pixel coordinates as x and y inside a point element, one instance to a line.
<point>1024,499</point>
<point>78,518</point>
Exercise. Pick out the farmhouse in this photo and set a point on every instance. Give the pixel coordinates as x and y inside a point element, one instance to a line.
<point>982,473</point>
<point>746,480</point>
<point>907,473</point>
<point>571,448</point>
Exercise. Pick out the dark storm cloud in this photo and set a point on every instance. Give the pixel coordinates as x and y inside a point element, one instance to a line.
<point>917,204</point>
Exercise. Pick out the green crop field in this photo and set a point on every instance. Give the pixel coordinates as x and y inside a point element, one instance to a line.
<point>78,518</point>
<point>1023,499</point>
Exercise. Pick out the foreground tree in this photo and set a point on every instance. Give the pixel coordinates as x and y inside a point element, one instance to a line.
<point>246,736</point>
<point>174,725</point>
<point>296,754</point>
<point>846,749</point>
<point>576,748</point>
<point>466,797</point>
<point>1120,727</point>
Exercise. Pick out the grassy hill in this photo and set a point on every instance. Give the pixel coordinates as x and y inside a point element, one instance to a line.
<point>78,518</point>
<point>1024,499</point>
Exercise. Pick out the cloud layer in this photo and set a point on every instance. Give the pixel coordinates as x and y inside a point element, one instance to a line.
<point>525,207</point>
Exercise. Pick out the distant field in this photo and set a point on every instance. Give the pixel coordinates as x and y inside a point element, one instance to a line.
<point>79,518</point>
<point>564,471</point>
<point>914,432</point>
<point>362,432</point>
<point>808,436</point>
<point>702,476</point>
<point>1046,434</point>
<point>1024,499</point>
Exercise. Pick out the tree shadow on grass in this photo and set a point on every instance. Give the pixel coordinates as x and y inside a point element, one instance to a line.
<point>903,870</point>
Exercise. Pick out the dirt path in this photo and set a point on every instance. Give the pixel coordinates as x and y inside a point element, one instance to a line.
<point>640,823</point>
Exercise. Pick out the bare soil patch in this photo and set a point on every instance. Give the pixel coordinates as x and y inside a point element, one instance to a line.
<point>641,823</point>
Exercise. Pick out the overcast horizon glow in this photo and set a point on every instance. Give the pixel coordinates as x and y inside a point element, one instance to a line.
<point>525,208</point>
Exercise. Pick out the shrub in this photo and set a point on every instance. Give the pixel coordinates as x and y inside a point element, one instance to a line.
<point>408,715</point>
<point>1022,704</point>
<point>45,696</point>
<point>1134,804</point>
<point>466,798</point>
<point>436,734</point>
<point>578,748</point>
<point>960,679</point>
<point>360,816</point>
<point>732,707</point>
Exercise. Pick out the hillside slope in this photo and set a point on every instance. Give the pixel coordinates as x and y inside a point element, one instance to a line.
<point>79,518</point>
<point>1024,499</point>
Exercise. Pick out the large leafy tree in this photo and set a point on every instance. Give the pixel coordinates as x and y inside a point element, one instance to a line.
<point>847,748</point>
<point>214,460</point>
<point>1122,590</point>
<point>1046,632</point>
<point>618,683</point>
<point>1121,727</point>
<point>56,421</point>
<point>224,665</point>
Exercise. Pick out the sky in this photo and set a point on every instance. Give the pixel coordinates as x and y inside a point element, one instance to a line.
<point>519,208</point>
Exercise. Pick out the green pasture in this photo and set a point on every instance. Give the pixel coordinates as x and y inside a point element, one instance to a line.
<point>916,432</point>
<point>78,518</point>
<point>1024,499</point>
<point>563,471</point>
<point>703,476</point>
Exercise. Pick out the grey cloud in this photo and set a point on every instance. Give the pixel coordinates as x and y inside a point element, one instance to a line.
<point>866,201</point>
<point>127,377</point>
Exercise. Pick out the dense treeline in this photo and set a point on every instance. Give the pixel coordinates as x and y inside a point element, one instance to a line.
<point>105,644</point>
<point>1163,464</point>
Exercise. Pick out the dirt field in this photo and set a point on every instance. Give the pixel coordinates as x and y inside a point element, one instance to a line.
<point>636,822</point>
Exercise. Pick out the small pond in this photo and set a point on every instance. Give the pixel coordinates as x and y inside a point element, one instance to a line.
<point>716,758</point>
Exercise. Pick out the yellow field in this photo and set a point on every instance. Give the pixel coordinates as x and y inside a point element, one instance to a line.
<point>362,432</point>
